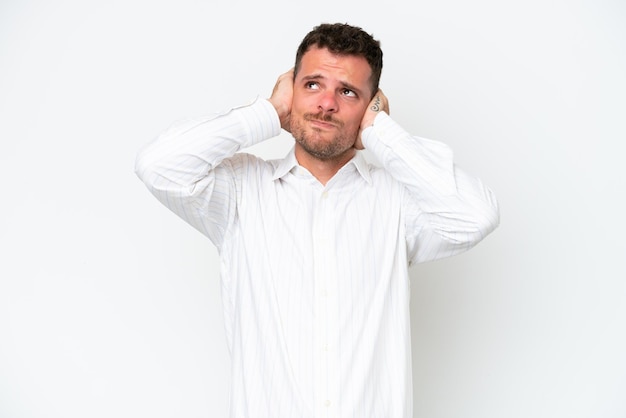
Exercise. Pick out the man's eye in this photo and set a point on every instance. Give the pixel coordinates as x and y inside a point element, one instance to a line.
<point>312,85</point>
<point>348,92</point>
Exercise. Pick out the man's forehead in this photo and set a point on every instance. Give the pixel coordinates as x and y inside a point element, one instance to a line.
<point>321,63</point>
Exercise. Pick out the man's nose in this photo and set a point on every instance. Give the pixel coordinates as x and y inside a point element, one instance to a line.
<point>328,102</point>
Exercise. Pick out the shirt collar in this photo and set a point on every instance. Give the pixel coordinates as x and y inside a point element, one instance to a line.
<point>285,165</point>
<point>288,163</point>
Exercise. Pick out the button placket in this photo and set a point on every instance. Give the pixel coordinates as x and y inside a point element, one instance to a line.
<point>326,297</point>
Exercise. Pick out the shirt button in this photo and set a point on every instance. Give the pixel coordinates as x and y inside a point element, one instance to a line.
<point>327,403</point>
<point>324,195</point>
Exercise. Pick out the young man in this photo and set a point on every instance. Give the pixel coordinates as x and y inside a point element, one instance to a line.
<point>315,247</point>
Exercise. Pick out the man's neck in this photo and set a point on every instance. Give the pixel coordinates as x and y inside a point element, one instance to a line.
<point>323,169</point>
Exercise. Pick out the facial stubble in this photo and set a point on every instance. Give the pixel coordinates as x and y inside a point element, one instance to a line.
<point>322,149</point>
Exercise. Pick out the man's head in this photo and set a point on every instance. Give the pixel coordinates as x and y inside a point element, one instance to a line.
<point>335,78</point>
<point>344,39</point>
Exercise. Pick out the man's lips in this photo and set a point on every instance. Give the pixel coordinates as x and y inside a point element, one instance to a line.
<point>321,122</point>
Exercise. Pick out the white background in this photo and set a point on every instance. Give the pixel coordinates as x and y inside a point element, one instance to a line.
<point>109,304</point>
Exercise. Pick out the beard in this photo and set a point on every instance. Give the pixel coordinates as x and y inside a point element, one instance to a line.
<point>314,144</point>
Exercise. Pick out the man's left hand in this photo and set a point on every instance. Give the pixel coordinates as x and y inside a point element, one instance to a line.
<point>379,103</point>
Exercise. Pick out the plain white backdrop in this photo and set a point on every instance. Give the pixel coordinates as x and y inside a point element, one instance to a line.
<point>109,304</point>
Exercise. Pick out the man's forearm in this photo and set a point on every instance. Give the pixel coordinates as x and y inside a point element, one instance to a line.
<point>188,169</point>
<point>194,147</point>
<point>446,206</point>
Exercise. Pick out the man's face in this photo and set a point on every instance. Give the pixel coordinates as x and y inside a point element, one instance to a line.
<point>330,95</point>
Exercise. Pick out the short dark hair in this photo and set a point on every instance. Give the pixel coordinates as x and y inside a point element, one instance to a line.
<point>344,39</point>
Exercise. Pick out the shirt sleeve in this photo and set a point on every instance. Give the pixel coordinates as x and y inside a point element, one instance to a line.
<point>193,169</point>
<point>445,210</point>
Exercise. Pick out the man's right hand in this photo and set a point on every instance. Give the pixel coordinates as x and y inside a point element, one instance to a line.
<point>281,98</point>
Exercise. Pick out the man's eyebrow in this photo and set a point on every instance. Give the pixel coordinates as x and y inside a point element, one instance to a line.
<point>313,77</point>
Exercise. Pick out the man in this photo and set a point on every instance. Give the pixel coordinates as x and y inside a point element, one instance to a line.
<point>315,247</point>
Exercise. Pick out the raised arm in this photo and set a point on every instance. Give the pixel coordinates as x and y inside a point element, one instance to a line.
<point>191,167</point>
<point>446,211</point>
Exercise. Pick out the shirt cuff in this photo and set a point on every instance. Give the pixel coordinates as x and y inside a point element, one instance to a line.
<point>259,119</point>
<point>384,128</point>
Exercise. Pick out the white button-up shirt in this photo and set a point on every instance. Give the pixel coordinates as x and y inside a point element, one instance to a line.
<point>315,278</point>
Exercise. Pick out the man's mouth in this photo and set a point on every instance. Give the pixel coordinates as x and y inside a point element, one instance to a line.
<point>322,121</point>
<point>321,124</point>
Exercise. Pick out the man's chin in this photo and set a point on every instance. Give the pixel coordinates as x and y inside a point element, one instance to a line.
<point>325,152</point>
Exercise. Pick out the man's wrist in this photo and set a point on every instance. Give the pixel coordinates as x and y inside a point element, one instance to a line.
<point>260,121</point>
